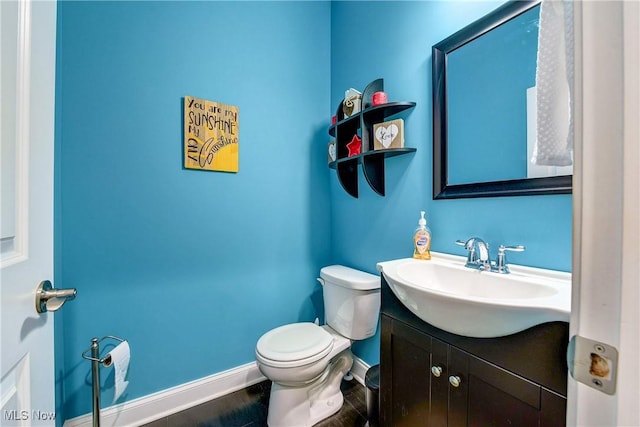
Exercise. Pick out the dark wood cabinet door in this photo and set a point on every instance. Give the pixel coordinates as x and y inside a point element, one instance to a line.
<point>458,387</point>
<point>554,409</point>
<point>496,397</point>
<point>406,370</point>
<point>438,411</point>
<point>427,382</point>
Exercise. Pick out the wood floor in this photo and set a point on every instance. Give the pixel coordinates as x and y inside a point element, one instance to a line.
<point>248,408</point>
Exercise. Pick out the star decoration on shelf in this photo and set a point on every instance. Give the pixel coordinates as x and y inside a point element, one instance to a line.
<point>355,146</point>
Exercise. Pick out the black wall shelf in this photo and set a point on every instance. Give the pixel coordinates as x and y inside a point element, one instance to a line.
<point>373,164</point>
<point>361,124</point>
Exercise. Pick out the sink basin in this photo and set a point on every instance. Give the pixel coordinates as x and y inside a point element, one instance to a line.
<point>448,295</point>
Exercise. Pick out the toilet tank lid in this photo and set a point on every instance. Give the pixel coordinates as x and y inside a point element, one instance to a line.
<point>350,278</point>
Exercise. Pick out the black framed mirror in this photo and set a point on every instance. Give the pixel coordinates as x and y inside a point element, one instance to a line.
<point>483,112</point>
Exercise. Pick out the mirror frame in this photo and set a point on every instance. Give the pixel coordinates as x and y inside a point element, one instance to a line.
<point>441,188</point>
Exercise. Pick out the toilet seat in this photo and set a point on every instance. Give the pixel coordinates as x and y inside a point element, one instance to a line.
<point>292,345</point>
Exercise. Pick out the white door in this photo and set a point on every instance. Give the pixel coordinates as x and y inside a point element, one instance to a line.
<point>606,267</point>
<point>27,90</point>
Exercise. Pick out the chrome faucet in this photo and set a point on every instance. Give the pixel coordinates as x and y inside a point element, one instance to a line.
<point>479,258</point>
<point>477,253</point>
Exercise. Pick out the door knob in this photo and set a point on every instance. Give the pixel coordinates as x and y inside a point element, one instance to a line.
<point>50,299</point>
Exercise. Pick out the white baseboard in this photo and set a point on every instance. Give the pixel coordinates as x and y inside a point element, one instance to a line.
<point>359,369</point>
<point>175,399</point>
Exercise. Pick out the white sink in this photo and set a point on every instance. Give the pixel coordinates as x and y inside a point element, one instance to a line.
<point>473,303</point>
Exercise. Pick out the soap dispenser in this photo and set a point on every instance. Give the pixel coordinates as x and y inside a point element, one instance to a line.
<point>422,239</point>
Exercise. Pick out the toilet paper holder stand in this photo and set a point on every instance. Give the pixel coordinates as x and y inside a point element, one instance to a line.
<point>93,354</point>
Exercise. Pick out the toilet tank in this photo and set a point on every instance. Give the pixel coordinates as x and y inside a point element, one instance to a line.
<point>351,301</point>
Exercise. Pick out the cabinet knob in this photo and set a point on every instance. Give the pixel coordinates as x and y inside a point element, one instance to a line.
<point>455,380</point>
<point>436,371</point>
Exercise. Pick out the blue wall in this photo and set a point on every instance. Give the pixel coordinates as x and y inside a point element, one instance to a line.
<point>395,44</point>
<point>191,267</point>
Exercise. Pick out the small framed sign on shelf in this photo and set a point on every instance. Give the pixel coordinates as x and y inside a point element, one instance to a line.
<point>388,135</point>
<point>331,151</point>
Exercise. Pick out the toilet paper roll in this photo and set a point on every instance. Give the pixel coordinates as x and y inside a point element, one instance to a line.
<point>119,358</point>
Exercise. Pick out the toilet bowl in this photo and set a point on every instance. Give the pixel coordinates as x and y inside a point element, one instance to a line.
<point>298,353</point>
<point>306,362</point>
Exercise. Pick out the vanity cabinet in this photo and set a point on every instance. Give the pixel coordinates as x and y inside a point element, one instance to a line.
<point>361,124</point>
<point>429,377</point>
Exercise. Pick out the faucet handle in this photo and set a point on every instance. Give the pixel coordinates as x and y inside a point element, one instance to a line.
<point>472,257</point>
<point>501,261</point>
<point>517,248</point>
<point>478,253</point>
<point>470,243</point>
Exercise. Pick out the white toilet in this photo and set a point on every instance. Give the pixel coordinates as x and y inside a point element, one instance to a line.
<point>306,362</point>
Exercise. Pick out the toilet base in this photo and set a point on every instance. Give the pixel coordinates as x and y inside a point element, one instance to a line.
<point>308,405</point>
<point>302,413</point>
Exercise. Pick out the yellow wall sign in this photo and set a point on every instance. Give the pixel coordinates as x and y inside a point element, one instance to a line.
<point>210,135</point>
